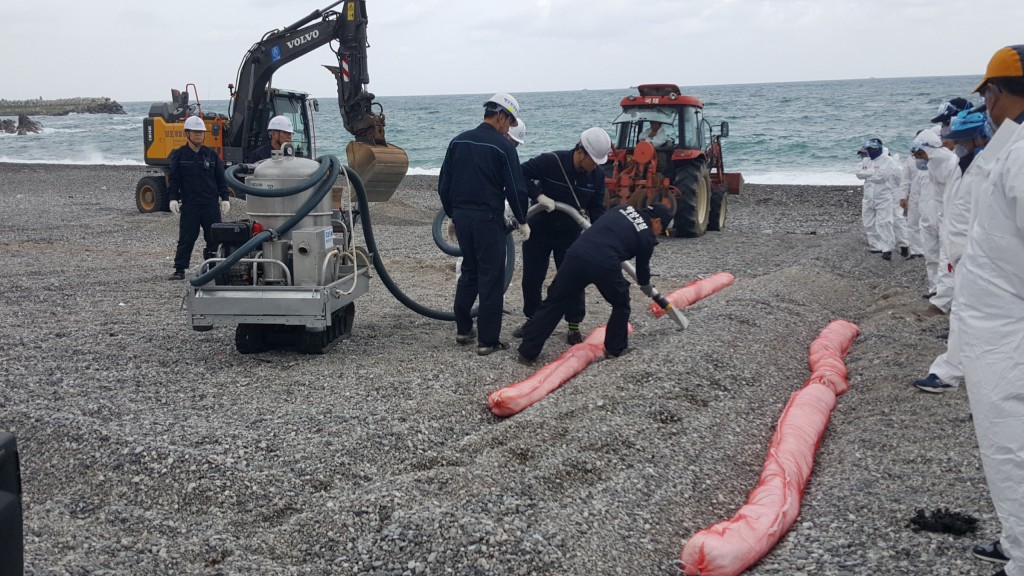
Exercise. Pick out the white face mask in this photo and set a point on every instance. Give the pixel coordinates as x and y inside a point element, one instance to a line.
<point>961,151</point>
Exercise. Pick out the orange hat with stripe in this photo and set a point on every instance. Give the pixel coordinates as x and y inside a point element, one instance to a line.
<point>1007,62</point>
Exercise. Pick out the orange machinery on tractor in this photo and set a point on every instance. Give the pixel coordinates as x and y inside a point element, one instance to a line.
<point>683,169</point>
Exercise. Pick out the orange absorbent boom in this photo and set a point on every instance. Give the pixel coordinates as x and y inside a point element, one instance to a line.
<point>517,397</point>
<point>731,546</point>
<point>694,291</point>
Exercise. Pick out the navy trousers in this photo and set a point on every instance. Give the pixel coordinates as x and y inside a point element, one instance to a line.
<point>537,253</point>
<point>194,217</point>
<point>482,241</point>
<point>570,281</point>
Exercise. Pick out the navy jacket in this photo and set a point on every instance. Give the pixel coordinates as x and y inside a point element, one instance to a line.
<point>620,235</point>
<point>480,171</point>
<point>544,176</point>
<point>261,153</point>
<point>197,177</point>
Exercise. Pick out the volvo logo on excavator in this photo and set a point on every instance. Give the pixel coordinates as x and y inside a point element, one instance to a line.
<point>302,39</point>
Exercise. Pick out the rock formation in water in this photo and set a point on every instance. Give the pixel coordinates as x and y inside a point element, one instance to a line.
<point>60,107</point>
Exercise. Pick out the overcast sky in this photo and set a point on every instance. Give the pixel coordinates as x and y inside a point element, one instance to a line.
<point>138,50</point>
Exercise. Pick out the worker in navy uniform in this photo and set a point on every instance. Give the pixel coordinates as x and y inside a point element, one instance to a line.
<point>572,177</point>
<point>198,193</point>
<point>623,233</point>
<point>280,132</point>
<point>480,172</point>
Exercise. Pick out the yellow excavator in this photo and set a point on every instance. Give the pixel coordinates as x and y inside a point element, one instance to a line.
<point>254,102</point>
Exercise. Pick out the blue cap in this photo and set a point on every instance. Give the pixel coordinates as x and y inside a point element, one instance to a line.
<point>968,125</point>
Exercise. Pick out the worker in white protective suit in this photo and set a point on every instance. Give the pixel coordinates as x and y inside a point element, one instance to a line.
<point>990,305</point>
<point>940,163</point>
<point>912,181</point>
<point>900,233</point>
<point>970,133</point>
<point>880,174</point>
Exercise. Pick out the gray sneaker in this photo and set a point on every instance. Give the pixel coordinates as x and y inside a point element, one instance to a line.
<point>463,339</point>
<point>485,350</point>
<point>991,553</point>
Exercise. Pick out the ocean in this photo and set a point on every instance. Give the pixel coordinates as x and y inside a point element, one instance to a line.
<point>784,133</point>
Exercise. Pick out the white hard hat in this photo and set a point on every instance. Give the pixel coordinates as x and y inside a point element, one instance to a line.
<point>506,102</point>
<point>195,123</point>
<point>281,123</point>
<point>518,132</point>
<point>597,143</point>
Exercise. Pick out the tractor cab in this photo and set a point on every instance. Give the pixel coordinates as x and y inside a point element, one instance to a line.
<point>666,151</point>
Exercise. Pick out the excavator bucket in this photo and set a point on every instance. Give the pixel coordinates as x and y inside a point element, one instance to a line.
<point>381,168</point>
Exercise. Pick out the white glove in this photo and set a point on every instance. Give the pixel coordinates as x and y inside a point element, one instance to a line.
<point>225,207</point>
<point>546,202</point>
<point>524,232</point>
<point>175,206</point>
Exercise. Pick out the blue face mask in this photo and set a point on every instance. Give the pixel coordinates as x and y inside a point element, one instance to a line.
<point>922,164</point>
<point>961,151</point>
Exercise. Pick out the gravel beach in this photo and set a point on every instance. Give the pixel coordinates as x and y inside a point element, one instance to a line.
<point>148,448</point>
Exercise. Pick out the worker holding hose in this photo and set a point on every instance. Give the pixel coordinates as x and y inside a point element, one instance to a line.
<point>479,174</point>
<point>622,234</point>
<point>572,177</point>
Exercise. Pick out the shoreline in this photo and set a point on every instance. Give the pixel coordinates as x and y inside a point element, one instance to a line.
<point>408,178</point>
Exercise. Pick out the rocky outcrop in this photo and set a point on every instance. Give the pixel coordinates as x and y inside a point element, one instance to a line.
<point>24,126</point>
<point>61,107</point>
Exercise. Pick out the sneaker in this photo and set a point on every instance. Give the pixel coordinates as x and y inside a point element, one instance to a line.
<point>519,332</point>
<point>935,385</point>
<point>485,350</point>
<point>990,553</point>
<point>525,361</point>
<point>178,275</point>
<point>573,337</point>
<point>886,255</point>
<point>905,251</point>
<point>463,339</point>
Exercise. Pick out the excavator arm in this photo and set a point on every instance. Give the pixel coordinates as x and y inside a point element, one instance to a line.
<point>380,165</point>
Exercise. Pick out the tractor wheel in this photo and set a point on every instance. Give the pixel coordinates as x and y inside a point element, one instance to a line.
<point>719,209</point>
<point>694,183</point>
<point>250,339</point>
<point>151,195</point>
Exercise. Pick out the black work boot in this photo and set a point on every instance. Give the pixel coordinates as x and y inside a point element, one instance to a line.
<point>905,251</point>
<point>177,275</point>
<point>886,255</point>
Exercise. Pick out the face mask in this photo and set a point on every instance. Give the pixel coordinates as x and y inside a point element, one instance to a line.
<point>921,164</point>
<point>961,151</point>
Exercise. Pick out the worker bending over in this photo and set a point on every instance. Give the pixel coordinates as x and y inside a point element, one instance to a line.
<point>622,234</point>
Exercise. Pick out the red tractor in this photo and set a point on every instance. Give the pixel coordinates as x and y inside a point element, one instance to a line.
<point>665,151</point>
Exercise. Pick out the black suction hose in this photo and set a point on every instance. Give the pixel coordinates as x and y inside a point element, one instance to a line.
<point>378,264</point>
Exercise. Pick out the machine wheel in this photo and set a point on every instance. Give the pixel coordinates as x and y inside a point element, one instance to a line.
<point>340,329</point>
<point>250,339</point>
<point>151,195</point>
<point>719,209</point>
<point>444,236</point>
<point>694,183</point>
